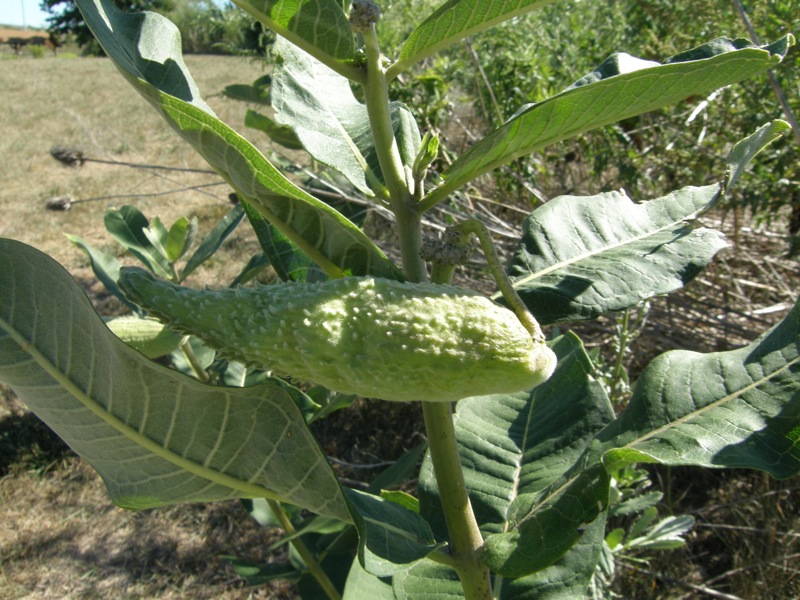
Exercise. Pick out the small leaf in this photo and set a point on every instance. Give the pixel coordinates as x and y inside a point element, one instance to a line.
<point>280,134</point>
<point>250,271</point>
<point>157,234</point>
<point>667,534</point>
<point>614,537</point>
<point>179,238</point>
<point>744,151</point>
<point>106,269</point>
<point>254,574</point>
<point>400,471</point>
<point>582,256</point>
<point>391,537</point>
<point>636,504</point>
<point>288,261</point>
<point>211,242</point>
<point>455,20</point>
<point>130,228</point>
<point>256,93</point>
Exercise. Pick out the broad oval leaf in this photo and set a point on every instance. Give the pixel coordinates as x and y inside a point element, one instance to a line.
<point>620,88</point>
<point>361,584</point>
<point>146,48</point>
<point>735,409</point>
<point>569,577</point>
<point>455,20</point>
<point>427,580</point>
<point>155,436</point>
<point>582,256</point>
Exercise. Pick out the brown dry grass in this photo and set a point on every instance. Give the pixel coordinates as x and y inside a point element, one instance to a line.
<point>60,536</point>
<point>85,103</point>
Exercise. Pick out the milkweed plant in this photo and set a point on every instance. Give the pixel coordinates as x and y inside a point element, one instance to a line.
<point>524,452</point>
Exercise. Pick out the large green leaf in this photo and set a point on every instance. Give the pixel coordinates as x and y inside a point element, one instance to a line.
<point>361,584</point>
<point>622,87</point>
<point>582,256</point>
<point>319,27</point>
<point>515,450</point>
<point>155,436</point>
<point>726,409</point>
<point>455,20</point>
<point>569,577</point>
<point>427,580</point>
<point>332,124</point>
<point>146,48</point>
<point>391,537</point>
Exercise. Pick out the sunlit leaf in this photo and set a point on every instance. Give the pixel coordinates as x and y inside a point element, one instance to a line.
<point>621,87</point>
<point>582,256</point>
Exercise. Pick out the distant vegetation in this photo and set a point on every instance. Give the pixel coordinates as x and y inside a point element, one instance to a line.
<point>489,77</point>
<point>205,27</point>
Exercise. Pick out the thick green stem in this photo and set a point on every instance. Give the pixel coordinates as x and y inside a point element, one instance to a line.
<point>465,537</point>
<point>376,95</point>
<point>310,561</point>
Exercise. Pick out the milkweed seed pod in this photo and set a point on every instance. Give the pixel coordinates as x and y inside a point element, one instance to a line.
<point>376,338</point>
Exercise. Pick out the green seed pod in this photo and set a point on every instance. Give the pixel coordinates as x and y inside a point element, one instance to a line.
<point>377,338</point>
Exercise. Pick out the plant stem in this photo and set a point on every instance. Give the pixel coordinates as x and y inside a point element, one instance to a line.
<point>376,96</point>
<point>310,561</point>
<point>510,295</point>
<point>465,537</point>
<point>194,363</point>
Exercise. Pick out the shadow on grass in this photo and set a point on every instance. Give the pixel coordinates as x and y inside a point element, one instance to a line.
<point>26,442</point>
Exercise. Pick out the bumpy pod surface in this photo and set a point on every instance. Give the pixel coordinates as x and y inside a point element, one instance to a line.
<point>377,338</point>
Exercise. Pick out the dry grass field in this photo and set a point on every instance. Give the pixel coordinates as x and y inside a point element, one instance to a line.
<point>61,537</point>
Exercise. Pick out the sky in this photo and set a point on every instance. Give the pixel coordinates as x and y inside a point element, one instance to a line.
<point>22,12</point>
<point>26,12</point>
